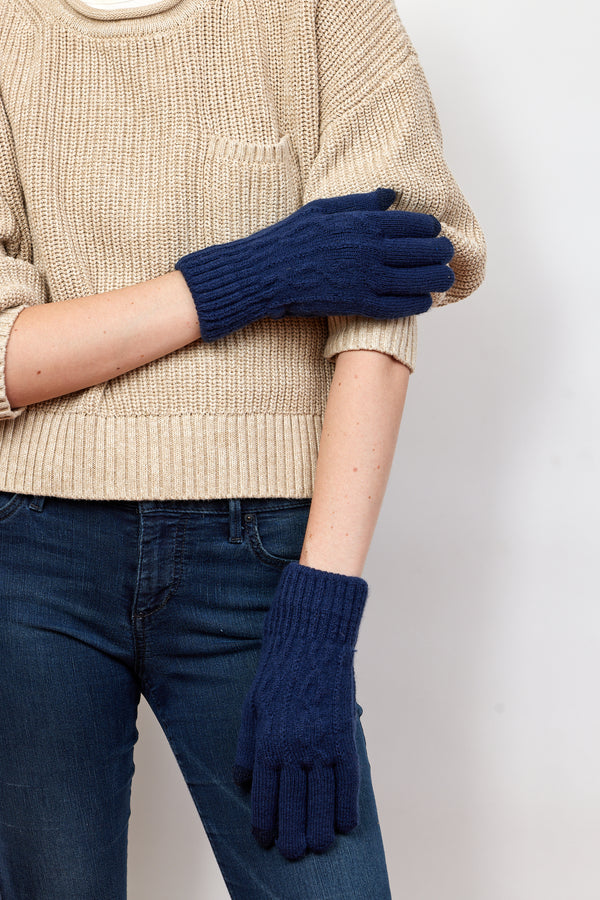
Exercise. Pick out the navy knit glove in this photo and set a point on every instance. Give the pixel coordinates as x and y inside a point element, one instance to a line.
<point>297,746</point>
<point>345,255</point>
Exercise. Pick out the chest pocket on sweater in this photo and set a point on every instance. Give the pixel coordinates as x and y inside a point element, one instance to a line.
<point>242,187</point>
<point>247,186</point>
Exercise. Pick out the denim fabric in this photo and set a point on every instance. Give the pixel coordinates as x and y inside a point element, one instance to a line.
<point>101,601</point>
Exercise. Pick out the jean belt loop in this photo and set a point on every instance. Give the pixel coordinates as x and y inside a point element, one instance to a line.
<point>235,521</point>
<point>37,503</point>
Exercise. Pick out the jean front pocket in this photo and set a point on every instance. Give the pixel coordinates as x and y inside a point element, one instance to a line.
<point>276,536</point>
<point>10,502</point>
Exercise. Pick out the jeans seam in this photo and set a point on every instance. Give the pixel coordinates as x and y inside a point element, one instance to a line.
<point>137,634</point>
<point>177,569</point>
<point>292,505</point>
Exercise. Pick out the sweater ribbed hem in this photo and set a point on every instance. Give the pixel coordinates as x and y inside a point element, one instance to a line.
<point>189,457</point>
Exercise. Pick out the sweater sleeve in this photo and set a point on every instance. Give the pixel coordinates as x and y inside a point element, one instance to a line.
<point>21,284</point>
<point>379,128</point>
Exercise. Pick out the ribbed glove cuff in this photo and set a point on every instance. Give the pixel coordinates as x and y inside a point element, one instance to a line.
<point>315,604</point>
<point>229,286</point>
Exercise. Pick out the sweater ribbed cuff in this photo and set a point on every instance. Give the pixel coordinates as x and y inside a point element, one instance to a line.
<point>7,320</point>
<point>396,337</point>
<point>316,604</point>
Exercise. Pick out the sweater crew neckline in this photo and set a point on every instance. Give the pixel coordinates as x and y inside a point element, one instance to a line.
<point>128,20</point>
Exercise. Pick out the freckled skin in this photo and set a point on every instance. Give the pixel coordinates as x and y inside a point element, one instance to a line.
<point>378,381</point>
<point>83,355</point>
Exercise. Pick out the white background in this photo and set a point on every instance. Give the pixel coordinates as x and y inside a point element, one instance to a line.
<point>478,657</point>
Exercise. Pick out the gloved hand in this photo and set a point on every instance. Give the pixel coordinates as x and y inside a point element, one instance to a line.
<point>297,746</point>
<point>345,255</point>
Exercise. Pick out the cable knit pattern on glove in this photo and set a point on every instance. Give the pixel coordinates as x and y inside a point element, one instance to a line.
<point>297,744</point>
<point>336,256</point>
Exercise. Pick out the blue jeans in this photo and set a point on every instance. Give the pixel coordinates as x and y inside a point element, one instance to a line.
<point>101,601</point>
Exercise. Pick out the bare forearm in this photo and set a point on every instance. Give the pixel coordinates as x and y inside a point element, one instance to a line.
<point>58,348</point>
<point>356,450</point>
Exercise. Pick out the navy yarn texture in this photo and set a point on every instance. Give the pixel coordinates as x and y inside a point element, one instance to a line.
<point>347,255</point>
<point>297,742</point>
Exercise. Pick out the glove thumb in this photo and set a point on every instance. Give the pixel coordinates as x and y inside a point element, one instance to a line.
<point>378,199</point>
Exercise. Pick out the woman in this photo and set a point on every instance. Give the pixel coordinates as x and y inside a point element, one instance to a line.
<point>208,209</point>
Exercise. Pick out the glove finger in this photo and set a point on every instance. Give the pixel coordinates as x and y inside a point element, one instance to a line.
<point>264,799</point>
<point>413,280</point>
<point>244,757</point>
<point>377,199</point>
<point>400,223</point>
<point>320,808</point>
<point>291,841</point>
<point>416,251</point>
<point>347,783</point>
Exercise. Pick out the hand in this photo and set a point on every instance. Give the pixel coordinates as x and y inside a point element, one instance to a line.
<point>346,255</point>
<point>297,748</point>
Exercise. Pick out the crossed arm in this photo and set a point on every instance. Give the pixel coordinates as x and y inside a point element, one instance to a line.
<point>57,348</point>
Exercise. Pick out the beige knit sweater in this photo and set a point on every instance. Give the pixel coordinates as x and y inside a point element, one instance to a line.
<point>131,137</point>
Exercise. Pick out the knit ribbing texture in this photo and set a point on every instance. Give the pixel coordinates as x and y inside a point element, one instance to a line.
<point>297,743</point>
<point>332,256</point>
<point>138,137</point>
